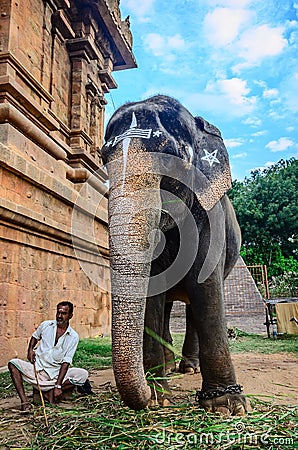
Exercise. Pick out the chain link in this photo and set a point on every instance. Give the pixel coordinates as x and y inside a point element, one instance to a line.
<point>231,389</point>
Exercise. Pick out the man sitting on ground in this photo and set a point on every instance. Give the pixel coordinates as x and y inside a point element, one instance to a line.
<point>50,361</point>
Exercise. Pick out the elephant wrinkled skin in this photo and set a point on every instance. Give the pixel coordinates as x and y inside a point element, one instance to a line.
<point>173,236</point>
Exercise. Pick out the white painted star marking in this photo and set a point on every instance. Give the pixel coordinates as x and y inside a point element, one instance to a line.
<point>210,157</point>
<point>157,133</point>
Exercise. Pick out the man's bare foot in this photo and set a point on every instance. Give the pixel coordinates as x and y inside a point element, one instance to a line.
<point>26,407</point>
<point>49,396</point>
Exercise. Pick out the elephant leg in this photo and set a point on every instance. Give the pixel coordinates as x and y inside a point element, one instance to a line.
<point>170,365</point>
<point>154,359</point>
<point>190,351</point>
<point>219,392</point>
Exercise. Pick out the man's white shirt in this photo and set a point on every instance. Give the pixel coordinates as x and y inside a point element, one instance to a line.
<point>49,356</point>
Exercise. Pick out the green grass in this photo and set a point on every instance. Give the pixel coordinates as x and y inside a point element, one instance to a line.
<point>253,343</point>
<point>94,353</point>
<point>6,386</point>
<point>261,344</point>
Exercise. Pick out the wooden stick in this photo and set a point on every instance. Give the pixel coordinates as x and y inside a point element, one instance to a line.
<point>41,397</point>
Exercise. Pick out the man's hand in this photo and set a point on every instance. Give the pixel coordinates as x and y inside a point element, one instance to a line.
<point>57,394</point>
<point>31,352</point>
<point>31,355</point>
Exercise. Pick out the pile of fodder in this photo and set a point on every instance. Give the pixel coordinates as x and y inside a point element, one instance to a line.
<point>102,422</point>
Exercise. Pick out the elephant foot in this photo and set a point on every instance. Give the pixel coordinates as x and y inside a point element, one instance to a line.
<point>189,365</point>
<point>170,363</point>
<point>230,403</point>
<point>170,366</point>
<point>160,393</point>
<point>160,402</point>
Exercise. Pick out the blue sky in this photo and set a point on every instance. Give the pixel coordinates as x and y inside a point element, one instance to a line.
<point>234,62</point>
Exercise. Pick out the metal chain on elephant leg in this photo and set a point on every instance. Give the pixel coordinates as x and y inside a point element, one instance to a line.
<point>228,401</point>
<point>231,389</point>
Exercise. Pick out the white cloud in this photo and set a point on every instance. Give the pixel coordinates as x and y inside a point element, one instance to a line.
<point>176,42</point>
<point>265,166</point>
<point>253,121</point>
<point>269,163</point>
<point>236,92</point>
<point>164,45</point>
<point>155,43</point>
<point>239,155</point>
<point>236,142</point>
<point>213,104</point>
<point>224,97</point>
<point>260,83</point>
<point>270,93</point>
<point>280,145</point>
<point>294,35</point>
<point>259,133</point>
<point>290,92</point>
<point>229,3</point>
<point>234,88</point>
<point>276,115</point>
<point>140,8</point>
<point>258,43</point>
<point>222,25</point>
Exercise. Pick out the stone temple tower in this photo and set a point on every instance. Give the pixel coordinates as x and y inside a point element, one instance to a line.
<point>56,64</point>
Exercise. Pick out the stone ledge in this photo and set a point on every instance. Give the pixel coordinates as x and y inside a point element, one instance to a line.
<point>60,189</point>
<point>30,223</point>
<point>9,58</point>
<point>8,113</point>
<point>24,102</point>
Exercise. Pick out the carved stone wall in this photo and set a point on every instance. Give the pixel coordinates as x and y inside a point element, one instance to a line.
<point>56,64</point>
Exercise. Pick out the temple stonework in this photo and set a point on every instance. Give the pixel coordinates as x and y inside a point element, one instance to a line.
<point>56,64</point>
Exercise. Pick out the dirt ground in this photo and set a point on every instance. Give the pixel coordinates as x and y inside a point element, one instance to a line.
<point>272,378</point>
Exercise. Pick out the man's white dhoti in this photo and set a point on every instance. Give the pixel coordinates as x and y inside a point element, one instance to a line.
<point>75,375</point>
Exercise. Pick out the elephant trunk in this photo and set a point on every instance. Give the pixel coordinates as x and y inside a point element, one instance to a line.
<point>133,217</point>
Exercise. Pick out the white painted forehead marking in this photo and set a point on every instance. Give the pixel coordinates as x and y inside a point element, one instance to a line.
<point>134,123</point>
<point>133,131</point>
<point>210,157</point>
<point>125,145</point>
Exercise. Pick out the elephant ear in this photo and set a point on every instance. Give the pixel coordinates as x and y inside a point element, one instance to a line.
<point>212,175</point>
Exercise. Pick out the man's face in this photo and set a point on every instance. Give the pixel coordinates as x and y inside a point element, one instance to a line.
<point>63,315</point>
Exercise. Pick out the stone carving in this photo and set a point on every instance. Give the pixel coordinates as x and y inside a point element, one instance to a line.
<point>125,28</point>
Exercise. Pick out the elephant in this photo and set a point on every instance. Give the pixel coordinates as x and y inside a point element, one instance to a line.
<point>173,235</point>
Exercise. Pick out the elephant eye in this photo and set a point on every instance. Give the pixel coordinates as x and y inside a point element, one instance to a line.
<point>186,152</point>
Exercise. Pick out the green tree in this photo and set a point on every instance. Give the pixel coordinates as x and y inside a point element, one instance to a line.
<point>266,205</point>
